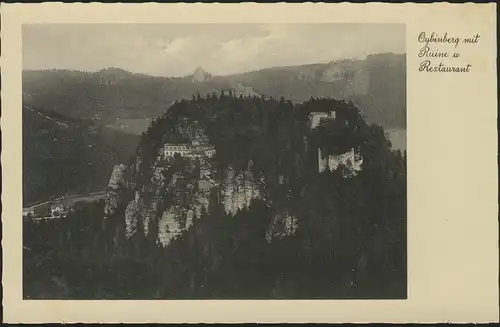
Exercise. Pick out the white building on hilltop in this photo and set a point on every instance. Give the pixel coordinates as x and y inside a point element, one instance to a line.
<point>315,117</point>
<point>188,150</point>
<point>351,159</point>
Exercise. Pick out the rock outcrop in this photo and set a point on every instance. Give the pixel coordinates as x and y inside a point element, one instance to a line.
<point>238,189</point>
<point>176,197</point>
<point>179,175</point>
<point>117,183</point>
<point>282,225</point>
<point>200,75</point>
<point>176,192</point>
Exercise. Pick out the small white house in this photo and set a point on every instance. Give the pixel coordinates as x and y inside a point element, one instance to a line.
<point>57,210</point>
<point>29,212</point>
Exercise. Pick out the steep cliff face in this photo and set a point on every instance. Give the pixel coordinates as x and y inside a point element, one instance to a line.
<point>239,188</point>
<point>217,157</point>
<point>169,202</point>
<point>181,190</point>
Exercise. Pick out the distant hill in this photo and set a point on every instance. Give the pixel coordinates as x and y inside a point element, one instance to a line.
<point>377,85</point>
<point>102,96</point>
<point>67,155</point>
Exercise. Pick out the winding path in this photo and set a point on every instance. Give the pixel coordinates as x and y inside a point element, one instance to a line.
<point>69,200</point>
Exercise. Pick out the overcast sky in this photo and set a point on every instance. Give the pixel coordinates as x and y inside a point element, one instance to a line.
<point>177,49</point>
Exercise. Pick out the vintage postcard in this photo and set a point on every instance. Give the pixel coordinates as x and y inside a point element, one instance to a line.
<point>249,163</point>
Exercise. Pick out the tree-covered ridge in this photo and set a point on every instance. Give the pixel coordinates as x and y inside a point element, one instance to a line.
<point>377,85</point>
<point>274,135</point>
<point>350,239</point>
<point>65,155</point>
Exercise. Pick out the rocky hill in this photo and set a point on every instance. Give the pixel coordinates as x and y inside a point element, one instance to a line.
<point>259,164</point>
<point>224,200</point>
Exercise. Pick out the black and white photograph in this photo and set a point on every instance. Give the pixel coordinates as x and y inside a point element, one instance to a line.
<point>206,161</point>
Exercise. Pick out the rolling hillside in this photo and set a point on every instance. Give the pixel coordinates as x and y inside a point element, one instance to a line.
<point>78,124</point>
<point>377,85</point>
<point>63,155</point>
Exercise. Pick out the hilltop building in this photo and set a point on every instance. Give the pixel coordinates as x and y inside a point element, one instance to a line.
<point>188,150</point>
<point>315,117</point>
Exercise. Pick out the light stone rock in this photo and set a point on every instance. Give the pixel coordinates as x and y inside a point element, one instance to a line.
<point>281,226</point>
<point>131,218</point>
<point>117,183</point>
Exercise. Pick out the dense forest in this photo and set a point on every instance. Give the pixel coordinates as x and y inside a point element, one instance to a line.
<point>66,155</point>
<point>350,237</point>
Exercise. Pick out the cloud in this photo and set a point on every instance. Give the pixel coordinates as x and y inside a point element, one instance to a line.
<point>164,49</point>
<point>249,47</point>
<point>176,46</point>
